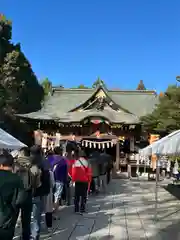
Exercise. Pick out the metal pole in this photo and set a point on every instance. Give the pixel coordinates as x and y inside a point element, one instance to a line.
<point>144,165</point>
<point>156,192</point>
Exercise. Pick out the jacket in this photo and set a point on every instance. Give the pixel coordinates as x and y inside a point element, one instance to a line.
<point>103,168</point>
<point>95,168</point>
<point>70,163</point>
<point>81,171</point>
<point>12,197</point>
<point>44,189</point>
<point>60,169</point>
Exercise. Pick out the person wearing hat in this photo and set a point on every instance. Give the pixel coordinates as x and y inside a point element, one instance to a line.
<point>12,197</point>
<point>81,176</point>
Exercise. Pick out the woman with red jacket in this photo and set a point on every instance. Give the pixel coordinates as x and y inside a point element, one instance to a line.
<point>81,176</point>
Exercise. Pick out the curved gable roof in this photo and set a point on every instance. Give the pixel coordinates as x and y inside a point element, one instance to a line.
<point>62,101</point>
<point>100,91</point>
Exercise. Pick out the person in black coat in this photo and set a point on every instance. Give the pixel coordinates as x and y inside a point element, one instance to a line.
<point>12,197</point>
<point>40,170</point>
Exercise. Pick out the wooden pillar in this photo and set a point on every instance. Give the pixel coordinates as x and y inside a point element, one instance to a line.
<point>117,156</point>
<point>131,151</point>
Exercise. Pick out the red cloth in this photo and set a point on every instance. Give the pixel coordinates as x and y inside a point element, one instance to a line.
<point>81,171</point>
<point>70,164</point>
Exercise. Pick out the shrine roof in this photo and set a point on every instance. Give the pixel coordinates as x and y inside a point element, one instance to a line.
<point>61,105</point>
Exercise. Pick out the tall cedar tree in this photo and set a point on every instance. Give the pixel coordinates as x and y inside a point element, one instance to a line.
<point>22,92</point>
<point>5,37</point>
<point>166,115</point>
<point>141,86</point>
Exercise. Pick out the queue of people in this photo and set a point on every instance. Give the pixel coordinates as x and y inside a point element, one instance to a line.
<point>33,184</point>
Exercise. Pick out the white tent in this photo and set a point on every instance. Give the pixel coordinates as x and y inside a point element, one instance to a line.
<point>9,142</point>
<point>171,147</point>
<point>155,147</point>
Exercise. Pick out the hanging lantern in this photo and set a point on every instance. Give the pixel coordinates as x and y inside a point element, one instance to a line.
<point>94,145</point>
<point>90,144</point>
<point>82,143</point>
<point>57,139</point>
<point>107,144</point>
<point>97,133</point>
<point>99,145</point>
<point>44,140</point>
<point>37,137</point>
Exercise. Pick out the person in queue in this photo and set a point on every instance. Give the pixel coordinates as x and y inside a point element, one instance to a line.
<point>81,176</point>
<point>48,201</point>
<point>60,170</point>
<point>71,157</point>
<point>95,172</point>
<point>22,168</point>
<point>42,188</point>
<point>109,169</point>
<point>102,180</point>
<point>12,197</point>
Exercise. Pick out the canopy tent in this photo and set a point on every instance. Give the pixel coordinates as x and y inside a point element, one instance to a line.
<point>158,146</point>
<point>170,147</point>
<point>7,141</point>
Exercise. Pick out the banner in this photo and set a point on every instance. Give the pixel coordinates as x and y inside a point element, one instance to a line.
<point>153,138</point>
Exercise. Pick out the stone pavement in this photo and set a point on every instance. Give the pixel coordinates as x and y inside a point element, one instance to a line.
<point>125,212</point>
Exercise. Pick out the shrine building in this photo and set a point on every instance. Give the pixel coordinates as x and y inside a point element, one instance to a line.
<point>97,118</point>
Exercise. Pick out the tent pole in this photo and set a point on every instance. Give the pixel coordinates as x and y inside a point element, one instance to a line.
<point>144,166</point>
<point>117,156</point>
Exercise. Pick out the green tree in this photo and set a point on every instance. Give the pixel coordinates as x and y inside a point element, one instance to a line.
<point>166,115</point>
<point>141,86</point>
<point>98,82</point>
<point>47,86</point>
<point>81,86</point>
<point>21,90</point>
<point>5,37</point>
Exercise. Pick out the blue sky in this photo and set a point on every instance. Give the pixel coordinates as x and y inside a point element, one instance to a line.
<point>122,41</point>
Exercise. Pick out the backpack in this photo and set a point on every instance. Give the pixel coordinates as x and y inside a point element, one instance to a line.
<point>30,175</point>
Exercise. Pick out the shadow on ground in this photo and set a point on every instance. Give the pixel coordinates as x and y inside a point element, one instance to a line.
<point>126,202</point>
<point>173,190</point>
<point>170,232</point>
